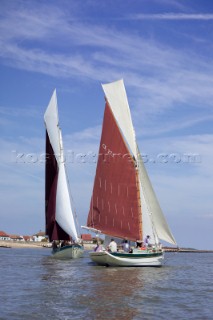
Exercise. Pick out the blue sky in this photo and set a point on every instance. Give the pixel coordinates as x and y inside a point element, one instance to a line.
<point>163,51</point>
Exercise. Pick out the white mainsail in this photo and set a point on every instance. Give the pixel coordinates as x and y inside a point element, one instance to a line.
<point>64,213</point>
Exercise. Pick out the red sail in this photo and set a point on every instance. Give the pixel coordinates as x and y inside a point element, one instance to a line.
<point>114,207</point>
<point>53,230</point>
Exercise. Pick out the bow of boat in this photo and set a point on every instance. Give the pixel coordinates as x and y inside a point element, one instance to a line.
<point>68,252</point>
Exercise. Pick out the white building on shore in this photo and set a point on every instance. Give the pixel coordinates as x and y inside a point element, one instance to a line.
<point>4,236</point>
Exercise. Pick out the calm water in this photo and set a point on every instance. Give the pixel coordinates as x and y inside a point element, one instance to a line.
<point>34,286</point>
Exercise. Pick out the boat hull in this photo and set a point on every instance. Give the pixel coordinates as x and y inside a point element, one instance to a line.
<point>68,252</point>
<point>104,258</point>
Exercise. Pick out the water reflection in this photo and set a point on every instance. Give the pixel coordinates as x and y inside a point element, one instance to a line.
<point>79,288</point>
<point>115,288</point>
<point>36,287</point>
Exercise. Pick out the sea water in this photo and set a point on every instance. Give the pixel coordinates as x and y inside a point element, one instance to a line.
<point>35,286</point>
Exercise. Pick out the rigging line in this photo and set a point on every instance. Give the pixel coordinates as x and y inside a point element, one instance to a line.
<point>143,190</point>
<point>150,214</point>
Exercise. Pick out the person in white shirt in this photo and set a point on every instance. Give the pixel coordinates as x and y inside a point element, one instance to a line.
<point>113,246</point>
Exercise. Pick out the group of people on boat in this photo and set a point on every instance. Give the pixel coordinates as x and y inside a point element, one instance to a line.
<point>125,246</point>
<point>113,247</point>
<point>144,244</point>
<point>60,244</point>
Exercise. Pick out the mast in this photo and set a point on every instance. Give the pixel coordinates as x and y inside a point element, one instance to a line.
<point>139,206</point>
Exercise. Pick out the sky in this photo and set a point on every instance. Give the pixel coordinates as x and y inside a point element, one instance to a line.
<point>162,49</point>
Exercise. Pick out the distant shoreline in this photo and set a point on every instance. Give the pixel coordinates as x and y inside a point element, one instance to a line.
<point>43,245</point>
<point>182,250</point>
<point>32,244</point>
<point>19,244</point>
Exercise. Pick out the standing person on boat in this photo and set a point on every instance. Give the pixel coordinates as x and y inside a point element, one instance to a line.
<point>54,244</point>
<point>63,243</point>
<point>113,246</point>
<point>98,248</point>
<point>147,241</point>
<point>125,246</point>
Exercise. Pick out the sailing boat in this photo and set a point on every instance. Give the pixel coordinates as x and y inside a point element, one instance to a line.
<point>60,223</point>
<point>123,203</point>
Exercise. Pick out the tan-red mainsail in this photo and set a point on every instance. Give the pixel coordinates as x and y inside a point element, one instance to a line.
<point>115,205</point>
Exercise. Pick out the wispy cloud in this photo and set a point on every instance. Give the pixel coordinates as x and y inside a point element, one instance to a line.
<point>172,16</point>
<point>160,76</point>
<point>168,78</point>
<point>207,216</point>
<point>165,74</point>
<point>92,133</point>
<point>156,129</point>
<point>17,112</point>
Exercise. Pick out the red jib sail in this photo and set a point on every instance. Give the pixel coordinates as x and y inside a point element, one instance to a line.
<point>53,230</point>
<point>115,204</point>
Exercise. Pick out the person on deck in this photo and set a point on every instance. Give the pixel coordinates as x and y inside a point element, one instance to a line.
<point>125,246</point>
<point>147,241</point>
<point>113,246</point>
<point>63,243</point>
<point>54,244</point>
<point>98,248</point>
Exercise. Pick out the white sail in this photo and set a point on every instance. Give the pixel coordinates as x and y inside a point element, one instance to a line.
<point>156,215</point>
<point>64,214</point>
<point>147,225</point>
<point>52,123</point>
<point>116,96</point>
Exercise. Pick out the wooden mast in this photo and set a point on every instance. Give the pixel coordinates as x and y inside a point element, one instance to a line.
<point>139,204</point>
